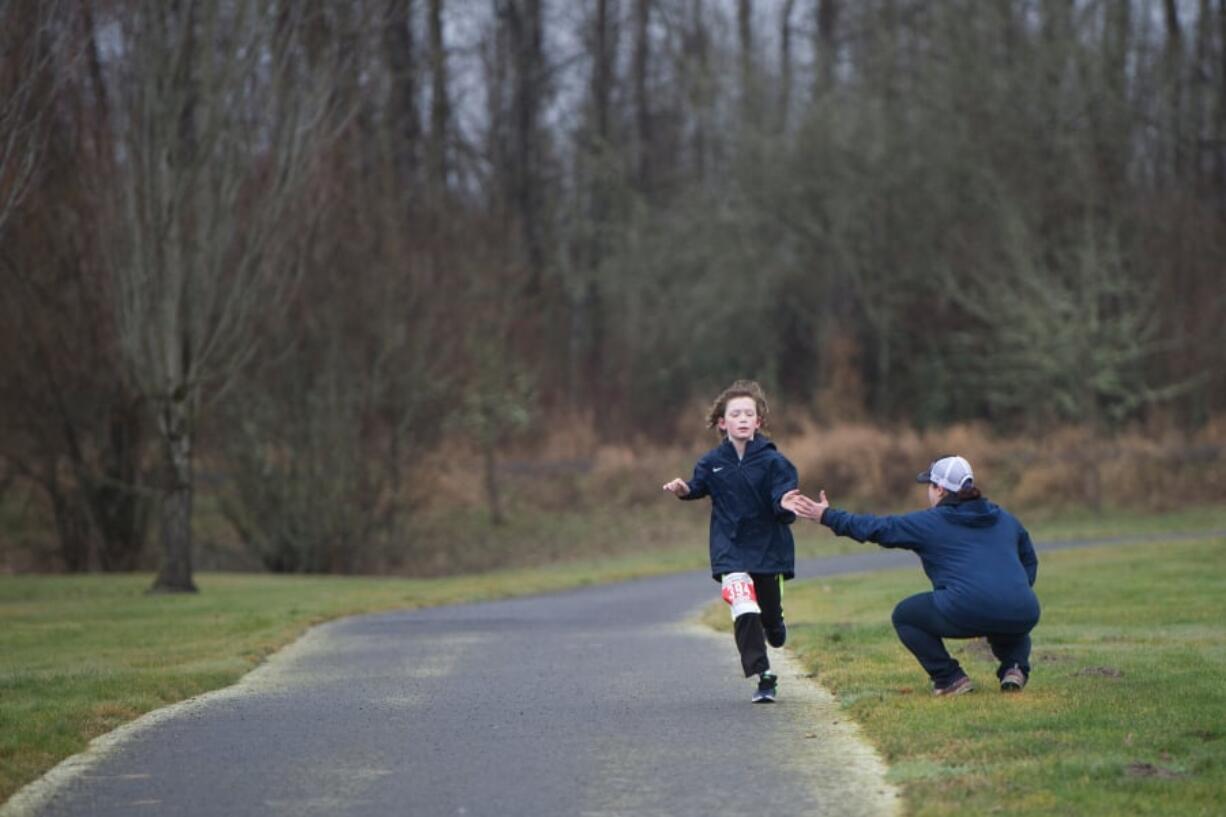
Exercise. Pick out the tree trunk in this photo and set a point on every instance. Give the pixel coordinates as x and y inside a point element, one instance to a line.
<point>885,398</point>
<point>175,575</point>
<point>642,109</point>
<point>1118,126</point>
<point>440,104</point>
<point>73,529</point>
<point>586,341</point>
<point>1220,119</point>
<point>598,392</point>
<point>398,42</point>
<point>492,494</point>
<point>785,64</point>
<point>827,20</point>
<point>525,29</point>
<point>99,132</point>
<point>1199,104</point>
<point>119,508</point>
<point>1173,68</point>
<point>602,72</point>
<point>750,108</point>
<point>698,64</point>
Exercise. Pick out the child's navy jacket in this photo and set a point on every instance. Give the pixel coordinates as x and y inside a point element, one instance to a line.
<point>977,555</point>
<point>749,529</point>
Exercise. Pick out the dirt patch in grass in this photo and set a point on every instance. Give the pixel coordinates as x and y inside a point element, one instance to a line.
<point>1205,734</point>
<point>1149,770</point>
<point>979,648</point>
<point>1099,672</point>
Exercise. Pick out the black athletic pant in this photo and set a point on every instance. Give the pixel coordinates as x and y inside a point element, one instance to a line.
<point>750,628</point>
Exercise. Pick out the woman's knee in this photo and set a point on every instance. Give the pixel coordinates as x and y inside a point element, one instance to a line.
<point>911,610</point>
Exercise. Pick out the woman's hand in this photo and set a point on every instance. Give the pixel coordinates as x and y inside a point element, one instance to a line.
<point>677,487</point>
<point>803,506</point>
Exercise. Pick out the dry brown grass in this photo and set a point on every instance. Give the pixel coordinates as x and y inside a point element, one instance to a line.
<point>567,494</point>
<point>870,465</point>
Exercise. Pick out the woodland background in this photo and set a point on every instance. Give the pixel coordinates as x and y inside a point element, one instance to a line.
<point>361,286</point>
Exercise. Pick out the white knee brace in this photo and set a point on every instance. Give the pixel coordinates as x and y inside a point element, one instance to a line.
<point>739,592</point>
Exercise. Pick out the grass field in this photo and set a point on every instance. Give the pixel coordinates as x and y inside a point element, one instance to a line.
<point>80,655</point>
<point>1125,713</point>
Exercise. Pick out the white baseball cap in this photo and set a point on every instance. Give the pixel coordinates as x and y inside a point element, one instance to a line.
<point>952,473</point>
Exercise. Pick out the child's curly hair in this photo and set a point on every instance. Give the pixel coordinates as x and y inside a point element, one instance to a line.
<point>741,388</point>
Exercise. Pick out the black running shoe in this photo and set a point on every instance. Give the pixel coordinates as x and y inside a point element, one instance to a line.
<point>777,636</point>
<point>768,688</point>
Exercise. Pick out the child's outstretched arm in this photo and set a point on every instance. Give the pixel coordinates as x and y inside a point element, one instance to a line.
<point>696,488</point>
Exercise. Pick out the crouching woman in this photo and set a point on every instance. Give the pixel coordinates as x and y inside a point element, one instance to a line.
<point>981,563</point>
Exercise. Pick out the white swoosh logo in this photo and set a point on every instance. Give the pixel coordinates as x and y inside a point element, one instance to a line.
<point>717,470</point>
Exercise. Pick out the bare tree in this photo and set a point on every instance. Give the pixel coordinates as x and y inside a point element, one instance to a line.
<point>697,77</point>
<point>1219,130</point>
<point>1172,69</point>
<point>785,63</point>
<point>747,57</point>
<point>28,32</point>
<point>404,115</point>
<point>71,428</point>
<point>642,102</point>
<point>600,161</point>
<point>827,13</point>
<point>321,450</point>
<point>316,456</point>
<point>438,145</point>
<point>219,112</point>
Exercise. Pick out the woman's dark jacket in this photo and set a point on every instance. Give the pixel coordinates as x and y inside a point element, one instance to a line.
<point>978,556</point>
<point>749,529</point>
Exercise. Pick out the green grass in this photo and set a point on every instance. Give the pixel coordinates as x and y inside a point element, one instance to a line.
<point>1087,524</point>
<point>1125,713</point>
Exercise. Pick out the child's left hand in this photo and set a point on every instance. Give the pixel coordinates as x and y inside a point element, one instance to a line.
<point>677,487</point>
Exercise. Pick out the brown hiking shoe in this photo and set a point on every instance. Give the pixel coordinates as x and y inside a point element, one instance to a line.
<point>957,686</point>
<point>1013,680</point>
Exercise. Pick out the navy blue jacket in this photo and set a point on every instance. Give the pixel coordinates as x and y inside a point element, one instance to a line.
<point>978,556</point>
<point>749,529</point>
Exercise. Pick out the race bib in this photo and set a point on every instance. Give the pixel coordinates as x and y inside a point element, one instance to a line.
<point>739,592</point>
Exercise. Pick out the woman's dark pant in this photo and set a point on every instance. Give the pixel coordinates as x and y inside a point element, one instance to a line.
<point>921,626</point>
<point>749,628</point>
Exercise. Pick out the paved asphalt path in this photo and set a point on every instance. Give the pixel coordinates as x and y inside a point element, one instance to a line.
<point>597,702</point>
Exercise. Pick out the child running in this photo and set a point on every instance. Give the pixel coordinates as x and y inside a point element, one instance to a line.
<point>752,551</point>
